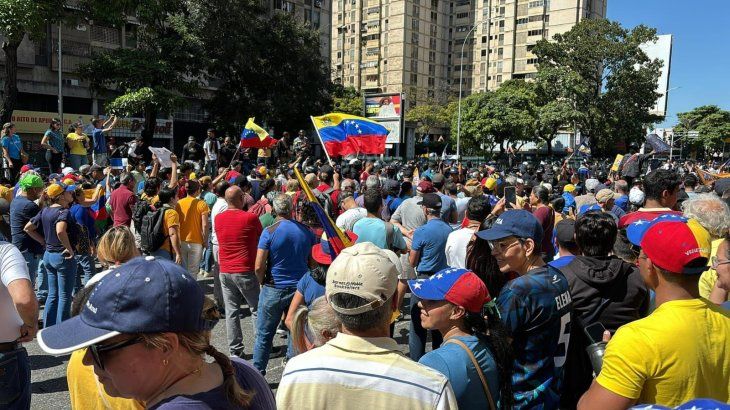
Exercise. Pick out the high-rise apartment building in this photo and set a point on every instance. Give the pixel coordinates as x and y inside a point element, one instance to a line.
<point>314,13</point>
<point>415,46</point>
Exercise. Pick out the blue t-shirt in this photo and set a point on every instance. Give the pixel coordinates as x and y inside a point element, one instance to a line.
<point>23,210</point>
<point>99,141</point>
<point>453,362</point>
<point>622,202</point>
<point>373,230</point>
<point>55,139</point>
<point>535,309</point>
<point>289,246</point>
<point>569,201</point>
<point>83,217</point>
<point>310,289</point>
<point>13,145</point>
<point>393,203</point>
<point>430,240</point>
<point>248,378</point>
<point>46,221</point>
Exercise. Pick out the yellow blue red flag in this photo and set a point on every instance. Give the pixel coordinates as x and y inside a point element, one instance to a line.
<point>344,134</point>
<point>254,136</point>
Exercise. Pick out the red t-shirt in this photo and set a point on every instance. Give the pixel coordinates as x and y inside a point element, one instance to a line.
<point>647,214</point>
<point>122,201</point>
<point>238,235</point>
<point>546,217</point>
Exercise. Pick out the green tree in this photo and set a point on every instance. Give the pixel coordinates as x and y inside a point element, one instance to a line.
<point>347,100</point>
<point>605,77</point>
<point>267,66</point>
<point>19,18</point>
<point>711,123</point>
<point>152,78</point>
<point>552,111</point>
<point>430,115</point>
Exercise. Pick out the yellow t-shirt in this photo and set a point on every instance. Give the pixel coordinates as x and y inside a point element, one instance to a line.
<point>76,143</point>
<point>172,218</point>
<point>709,277</point>
<point>191,211</point>
<point>87,393</point>
<point>678,353</point>
<point>152,201</point>
<point>6,193</point>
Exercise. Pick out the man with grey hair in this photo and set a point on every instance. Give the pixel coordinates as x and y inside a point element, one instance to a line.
<point>621,188</point>
<point>281,260</point>
<point>589,198</point>
<point>714,215</point>
<point>362,364</point>
<point>373,182</point>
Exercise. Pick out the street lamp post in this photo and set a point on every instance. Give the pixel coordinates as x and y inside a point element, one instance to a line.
<point>461,81</point>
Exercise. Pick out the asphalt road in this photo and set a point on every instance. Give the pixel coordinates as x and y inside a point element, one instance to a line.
<point>48,373</point>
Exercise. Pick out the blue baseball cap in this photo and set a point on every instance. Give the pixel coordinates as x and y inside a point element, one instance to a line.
<point>145,295</point>
<point>588,208</point>
<point>458,286</point>
<point>635,231</point>
<point>518,223</point>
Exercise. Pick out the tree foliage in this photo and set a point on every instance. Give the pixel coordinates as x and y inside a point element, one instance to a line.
<point>604,76</point>
<point>267,66</point>
<point>711,123</point>
<point>430,115</point>
<point>168,63</point>
<point>19,18</point>
<point>347,100</point>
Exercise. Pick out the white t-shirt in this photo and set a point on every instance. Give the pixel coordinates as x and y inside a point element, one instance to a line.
<point>210,153</point>
<point>456,247</point>
<point>347,220</point>
<point>219,206</point>
<point>12,268</point>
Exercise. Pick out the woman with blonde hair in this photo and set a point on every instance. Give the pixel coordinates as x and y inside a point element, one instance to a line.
<point>313,327</point>
<point>147,339</point>
<point>116,247</point>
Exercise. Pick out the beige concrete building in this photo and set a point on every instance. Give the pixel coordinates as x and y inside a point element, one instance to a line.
<point>415,46</point>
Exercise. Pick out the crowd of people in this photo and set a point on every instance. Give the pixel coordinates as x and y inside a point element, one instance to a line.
<point>540,285</point>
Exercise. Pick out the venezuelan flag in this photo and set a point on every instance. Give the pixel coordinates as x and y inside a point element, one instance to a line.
<point>98,210</point>
<point>344,134</point>
<point>336,238</point>
<point>254,136</point>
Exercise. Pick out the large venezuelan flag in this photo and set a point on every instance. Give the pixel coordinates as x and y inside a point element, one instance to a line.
<point>344,134</point>
<point>254,136</point>
<point>336,238</point>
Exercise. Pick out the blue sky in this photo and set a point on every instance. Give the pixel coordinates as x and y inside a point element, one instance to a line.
<point>700,47</point>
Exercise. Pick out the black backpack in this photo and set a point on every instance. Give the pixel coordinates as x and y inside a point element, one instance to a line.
<point>140,209</point>
<point>152,232</point>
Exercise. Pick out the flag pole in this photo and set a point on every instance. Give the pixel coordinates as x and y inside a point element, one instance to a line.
<point>322,142</point>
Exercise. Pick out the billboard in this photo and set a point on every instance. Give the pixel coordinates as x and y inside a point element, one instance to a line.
<point>37,122</point>
<point>387,110</point>
<point>661,50</point>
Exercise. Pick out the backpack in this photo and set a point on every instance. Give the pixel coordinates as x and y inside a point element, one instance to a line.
<point>326,202</point>
<point>139,210</point>
<point>152,232</point>
<point>335,202</point>
<point>260,208</point>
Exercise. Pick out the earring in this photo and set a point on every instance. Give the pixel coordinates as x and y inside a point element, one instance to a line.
<point>164,362</point>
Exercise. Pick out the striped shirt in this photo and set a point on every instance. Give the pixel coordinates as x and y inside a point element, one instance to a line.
<point>352,371</point>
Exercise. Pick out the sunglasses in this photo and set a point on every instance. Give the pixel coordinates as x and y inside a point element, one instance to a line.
<point>501,247</point>
<point>98,350</point>
<point>715,262</point>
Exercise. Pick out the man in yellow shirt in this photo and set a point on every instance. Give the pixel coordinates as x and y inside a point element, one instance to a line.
<point>194,222</point>
<point>679,352</point>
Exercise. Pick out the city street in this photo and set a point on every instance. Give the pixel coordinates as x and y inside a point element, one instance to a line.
<point>48,373</point>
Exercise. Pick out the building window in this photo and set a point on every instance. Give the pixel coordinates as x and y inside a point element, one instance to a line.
<point>414,81</point>
<point>532,61</point>
<point>535,32</point>
<point>414,24</point>
<point>434,16</point>
<point>539,3</point>
<point>541,17</point>
<point>431,82</point>
<point>431,56</point>
<point>462,15</point>
<point>414,52</point>
<point>484,52</point>
<point>414,65</point>
<point>522,21</point>
<point>371,77</point>
<point>414,38</point>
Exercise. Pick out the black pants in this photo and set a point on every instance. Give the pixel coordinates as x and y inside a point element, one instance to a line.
<point>54,161</point>
<point>15,379</point>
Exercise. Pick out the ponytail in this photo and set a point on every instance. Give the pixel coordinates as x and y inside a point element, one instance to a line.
<point>298,334</point>
<point>490,331</point>
<point>234,392</point>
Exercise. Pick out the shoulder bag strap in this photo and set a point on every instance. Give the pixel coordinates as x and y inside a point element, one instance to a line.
<point>476,366</point>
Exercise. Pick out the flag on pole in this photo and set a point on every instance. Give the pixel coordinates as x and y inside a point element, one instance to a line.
<point>344,134</point>
<point>98,209</point>
<point>254,136</point>
<point>336,238</point>
<point>657,145</point>
<point>584,148</point>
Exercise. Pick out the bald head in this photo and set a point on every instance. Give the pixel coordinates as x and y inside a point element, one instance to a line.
<point>234,197</point>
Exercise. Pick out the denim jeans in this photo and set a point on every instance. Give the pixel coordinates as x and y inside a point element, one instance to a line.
<point>88,268</point>
<point>42,288</point>
<point>191,253</point>
<point>15,380</point>
<point>417,335</point>
<point>76,161</point>
<point>272,304</point>
<point>217,291</point>
<point>239,288</point>
<point>61,282</point>
<point>211,168</point>
<point>32,260</point>
<point>206,262</point>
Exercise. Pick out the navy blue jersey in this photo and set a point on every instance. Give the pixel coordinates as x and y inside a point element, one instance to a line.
<point>535,308</point>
